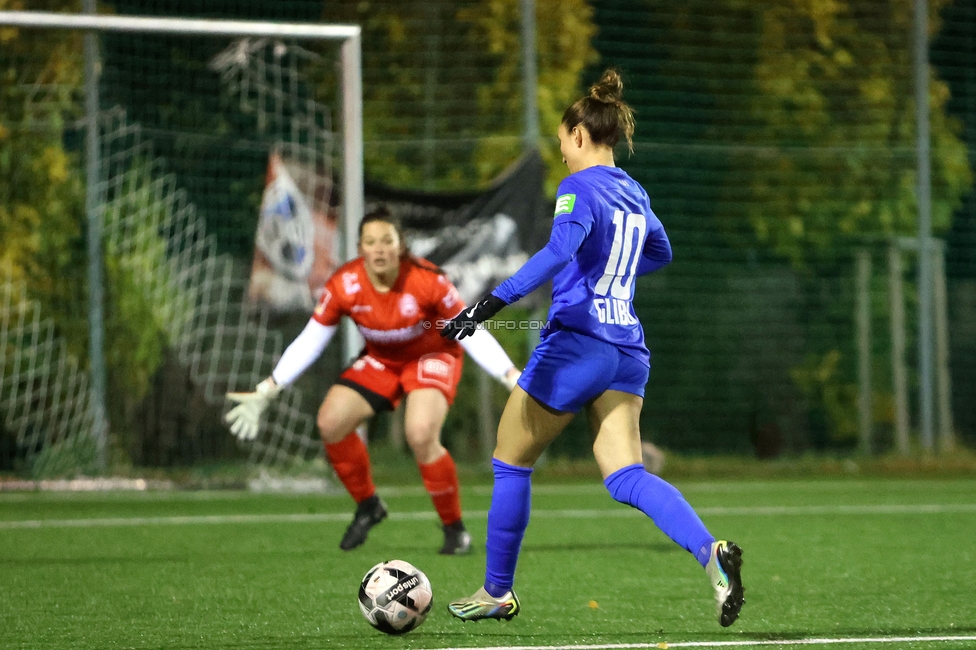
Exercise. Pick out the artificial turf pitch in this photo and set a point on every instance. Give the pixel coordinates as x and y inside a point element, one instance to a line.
<point>876,559</point>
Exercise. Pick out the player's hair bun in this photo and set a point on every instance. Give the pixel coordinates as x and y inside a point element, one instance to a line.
<point>609,89</point>
<point>603,112</point>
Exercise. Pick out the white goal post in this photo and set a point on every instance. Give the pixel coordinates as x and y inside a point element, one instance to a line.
<point>350,71</point>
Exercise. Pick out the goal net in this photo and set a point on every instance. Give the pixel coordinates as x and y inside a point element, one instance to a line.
<point>215,139</point>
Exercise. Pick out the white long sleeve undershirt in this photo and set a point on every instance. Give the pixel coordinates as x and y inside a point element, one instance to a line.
<point>488,353</point>
<point>303,351</point>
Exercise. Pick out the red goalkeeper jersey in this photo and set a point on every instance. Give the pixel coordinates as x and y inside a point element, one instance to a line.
<point>399,325</point>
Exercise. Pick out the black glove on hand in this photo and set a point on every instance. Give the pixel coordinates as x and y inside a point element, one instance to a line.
<point>465,323</point>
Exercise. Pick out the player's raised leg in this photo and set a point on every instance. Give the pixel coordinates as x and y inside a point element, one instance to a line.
<point>614,419</point>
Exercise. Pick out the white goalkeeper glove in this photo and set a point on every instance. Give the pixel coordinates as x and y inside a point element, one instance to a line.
<point>510,379</point>
<point>245,418</point>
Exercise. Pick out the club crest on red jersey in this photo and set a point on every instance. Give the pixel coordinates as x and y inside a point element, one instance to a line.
<point>409,306</point>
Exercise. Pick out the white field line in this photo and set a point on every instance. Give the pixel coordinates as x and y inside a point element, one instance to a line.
<point>737,644</point>
<point>608,513</point>
<point>9,495</point>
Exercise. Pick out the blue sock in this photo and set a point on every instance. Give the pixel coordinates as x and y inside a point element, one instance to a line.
<point>508,516</point>
<point>662,502</point>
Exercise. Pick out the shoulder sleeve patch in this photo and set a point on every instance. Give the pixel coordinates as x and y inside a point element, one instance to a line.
<point>564,204</point>
<point>323,302</point>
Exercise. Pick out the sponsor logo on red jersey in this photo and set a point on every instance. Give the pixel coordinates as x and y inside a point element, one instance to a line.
<point>385,337</point>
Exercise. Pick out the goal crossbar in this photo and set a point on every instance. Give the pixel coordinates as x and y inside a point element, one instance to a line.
<point>188,26</point>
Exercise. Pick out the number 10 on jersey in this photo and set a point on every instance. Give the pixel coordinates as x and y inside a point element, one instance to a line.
<point>618,276</point>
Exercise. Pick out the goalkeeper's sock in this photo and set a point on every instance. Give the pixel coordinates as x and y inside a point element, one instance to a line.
<point>508,516</point>
<point>662,502</point>
<point>350,460</point>
<point>440,479</point>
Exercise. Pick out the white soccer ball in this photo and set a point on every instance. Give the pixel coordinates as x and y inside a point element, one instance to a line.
<point>395,597</point>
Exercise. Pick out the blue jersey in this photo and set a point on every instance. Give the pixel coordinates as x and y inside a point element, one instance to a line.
<point>604,235</point>
<point>593,294</point>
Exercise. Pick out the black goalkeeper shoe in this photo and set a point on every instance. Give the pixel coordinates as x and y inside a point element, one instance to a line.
<point>368,513</point>
<point>457,540</point>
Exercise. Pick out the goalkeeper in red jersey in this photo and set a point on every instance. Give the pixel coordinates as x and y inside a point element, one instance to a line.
<point>395,299</point>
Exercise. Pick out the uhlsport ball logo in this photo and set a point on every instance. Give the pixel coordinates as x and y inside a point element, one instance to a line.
<point>395,597</point>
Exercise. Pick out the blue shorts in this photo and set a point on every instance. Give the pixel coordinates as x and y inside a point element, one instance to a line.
<point>567,370</point>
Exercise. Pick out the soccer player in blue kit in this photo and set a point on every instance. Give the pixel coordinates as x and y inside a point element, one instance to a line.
<point>592,356</point>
